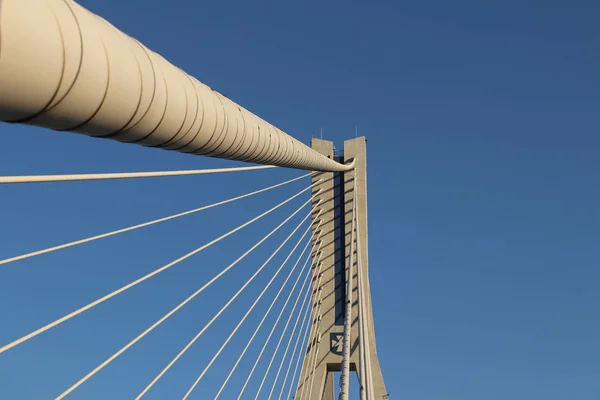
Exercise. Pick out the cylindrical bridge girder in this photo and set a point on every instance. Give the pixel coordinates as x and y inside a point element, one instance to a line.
<point>65,68</point>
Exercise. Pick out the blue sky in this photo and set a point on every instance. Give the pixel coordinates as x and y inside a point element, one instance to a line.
<point>483,140</point>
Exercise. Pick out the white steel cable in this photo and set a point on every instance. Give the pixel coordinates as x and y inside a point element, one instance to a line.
<point>214,318</point>
<point>365,385</point>
<point>298,297</point>
<point>317,336</point>
<point>307,316</point>
<point>370,389</point>
<point>174,310</point>
<point>361,336</point>
<point>133,227</point>
<point>270,335</point>
<point>313,343</point>
<point>121,175</point>
<point>261,294</point>
<point>368,370</point>
<point>191,342</point>
<point>267,314</point>
<point>318,347</point>
<point>303,313</point>
<point>345,375</point>
<point>233,369</point>
<point>315,315</point>
<point>305,321</point>
<point>276,349</point>
<point>314,348</point>
<point>287,347</point>
<point>300,357</point>
<point>140,280</point>
<point>370,392</point>
<point>306,339</point>
<point>274,355</point>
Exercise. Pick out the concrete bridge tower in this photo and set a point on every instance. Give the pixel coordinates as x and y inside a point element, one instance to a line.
<point>337,194</point>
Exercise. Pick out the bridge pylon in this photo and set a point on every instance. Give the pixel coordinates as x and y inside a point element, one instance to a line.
<point>334,219</point>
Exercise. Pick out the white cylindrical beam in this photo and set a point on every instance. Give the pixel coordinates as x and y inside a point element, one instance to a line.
<point>65,68</point>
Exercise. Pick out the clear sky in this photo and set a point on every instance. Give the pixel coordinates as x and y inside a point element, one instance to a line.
<point>483,130</point>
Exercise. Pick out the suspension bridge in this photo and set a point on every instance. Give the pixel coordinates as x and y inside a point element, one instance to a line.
<point>100,82</point>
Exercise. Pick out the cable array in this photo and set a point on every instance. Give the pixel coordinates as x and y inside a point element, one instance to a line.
<point>296,331</point>
<point>145,224</point>
<point>122,175</point>
<point>299,281</point>
<point>285,354</point>
<point>150,275</point>
<point>267,313</point>
<point>315,332</point>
